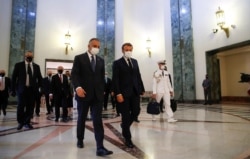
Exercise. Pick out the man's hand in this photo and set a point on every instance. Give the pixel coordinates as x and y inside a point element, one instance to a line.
<point>171,94</point>
<point>80,92</point>
<point>119,98</point>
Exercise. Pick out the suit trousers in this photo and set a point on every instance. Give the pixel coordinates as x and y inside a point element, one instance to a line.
<point>129,112</point>
<point>95,107</point>
<point>61,101</point>
<point>3,102</point>
<point>49,103</point>
<point>25,107</point>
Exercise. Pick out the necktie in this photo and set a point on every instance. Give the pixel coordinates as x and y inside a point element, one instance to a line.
<point>93,63</point>
<point>130,64</point>
<point>162,73</point>
<point>30,75</point>
<point>61,79</point>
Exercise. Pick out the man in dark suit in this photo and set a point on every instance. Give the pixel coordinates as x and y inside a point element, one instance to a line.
<point>4,91</point>
<point>60,93</point>
<point>87,77</point>
<point>26,79</point>
<point>46,88</point>
<point>128,87</point>
<point>107,91</point>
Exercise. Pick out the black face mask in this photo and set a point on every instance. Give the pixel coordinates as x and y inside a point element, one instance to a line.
<point>29,58</point>
<point>60,71</point>
<point>2,74</point>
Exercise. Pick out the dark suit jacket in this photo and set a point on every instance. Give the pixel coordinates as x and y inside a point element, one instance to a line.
<point>46,86</point>
<point>126,81</point>
<point>59,88</point>
<point>108,86</point>
<point>83,76</point>
<point>19,77</point>
<point>7,88</point>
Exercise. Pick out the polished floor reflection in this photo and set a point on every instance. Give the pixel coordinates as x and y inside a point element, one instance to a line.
<point>202,132</point>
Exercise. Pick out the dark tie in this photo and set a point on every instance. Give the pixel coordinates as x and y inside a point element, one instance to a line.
<point>93,63</point>
<point>61,78</point>
<point>30,75</point>
<point>162,73</point>
<point>130,64</point>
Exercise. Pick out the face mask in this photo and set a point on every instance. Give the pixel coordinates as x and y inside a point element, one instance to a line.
<point>2,74</point>
<point>162,67</point>
<point>60,71</point>
<point>128,54</point>
<point>94,51</point>
<point>29,58</point>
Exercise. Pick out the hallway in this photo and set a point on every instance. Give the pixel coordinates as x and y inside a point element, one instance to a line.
<point>202,132</point>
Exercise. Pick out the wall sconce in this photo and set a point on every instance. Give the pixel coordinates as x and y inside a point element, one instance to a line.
<point>149,47</point>
<point>67,42</point>
<point>220,17</point>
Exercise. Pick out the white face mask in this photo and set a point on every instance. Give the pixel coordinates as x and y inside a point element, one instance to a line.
<point>162,67</point>
<point>94,51</point>
<point>128,54</point>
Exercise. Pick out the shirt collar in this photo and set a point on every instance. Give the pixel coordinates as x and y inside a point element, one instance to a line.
<point>27,62</point>
<point>89,54</point>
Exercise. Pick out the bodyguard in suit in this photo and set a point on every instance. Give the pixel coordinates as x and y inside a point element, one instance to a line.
<point>26,78</point>
<point>60,92</point>
<point>4,91</point>
<point>128,87</point>
<point>46,88</point>
<point>107,91</point>
<point>87,77</point>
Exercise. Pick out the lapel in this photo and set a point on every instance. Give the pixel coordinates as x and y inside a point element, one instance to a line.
<point>86,58</point>
<point>124,62</point>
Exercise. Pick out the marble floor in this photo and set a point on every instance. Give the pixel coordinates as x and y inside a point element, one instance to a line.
<point>219,131</point>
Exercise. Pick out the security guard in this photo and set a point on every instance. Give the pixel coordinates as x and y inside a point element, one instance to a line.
<point>162,89</point>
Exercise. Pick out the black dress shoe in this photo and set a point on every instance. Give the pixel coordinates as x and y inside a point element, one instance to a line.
<point>29,126</point>
<point>56,120</point>
<point>20,126</point>
<point>103,152</point>
<point>80,144</point>
<point>129,144</point>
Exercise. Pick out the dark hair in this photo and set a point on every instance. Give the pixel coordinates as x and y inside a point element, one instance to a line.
<point>126,44</point>
<point>92,39</point>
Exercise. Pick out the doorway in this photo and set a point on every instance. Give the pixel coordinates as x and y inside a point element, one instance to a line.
<point>224,66</point>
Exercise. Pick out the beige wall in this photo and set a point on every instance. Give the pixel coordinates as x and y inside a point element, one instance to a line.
<point>231,66</point>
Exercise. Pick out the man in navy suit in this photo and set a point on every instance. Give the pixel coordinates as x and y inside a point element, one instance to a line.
<point>26,79</point>
<point>60,92</point>
<point>107,92</point>
<point>87,78</point>
<point>4,91</point>
<point>46,88</point>
<point>128,87</point>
